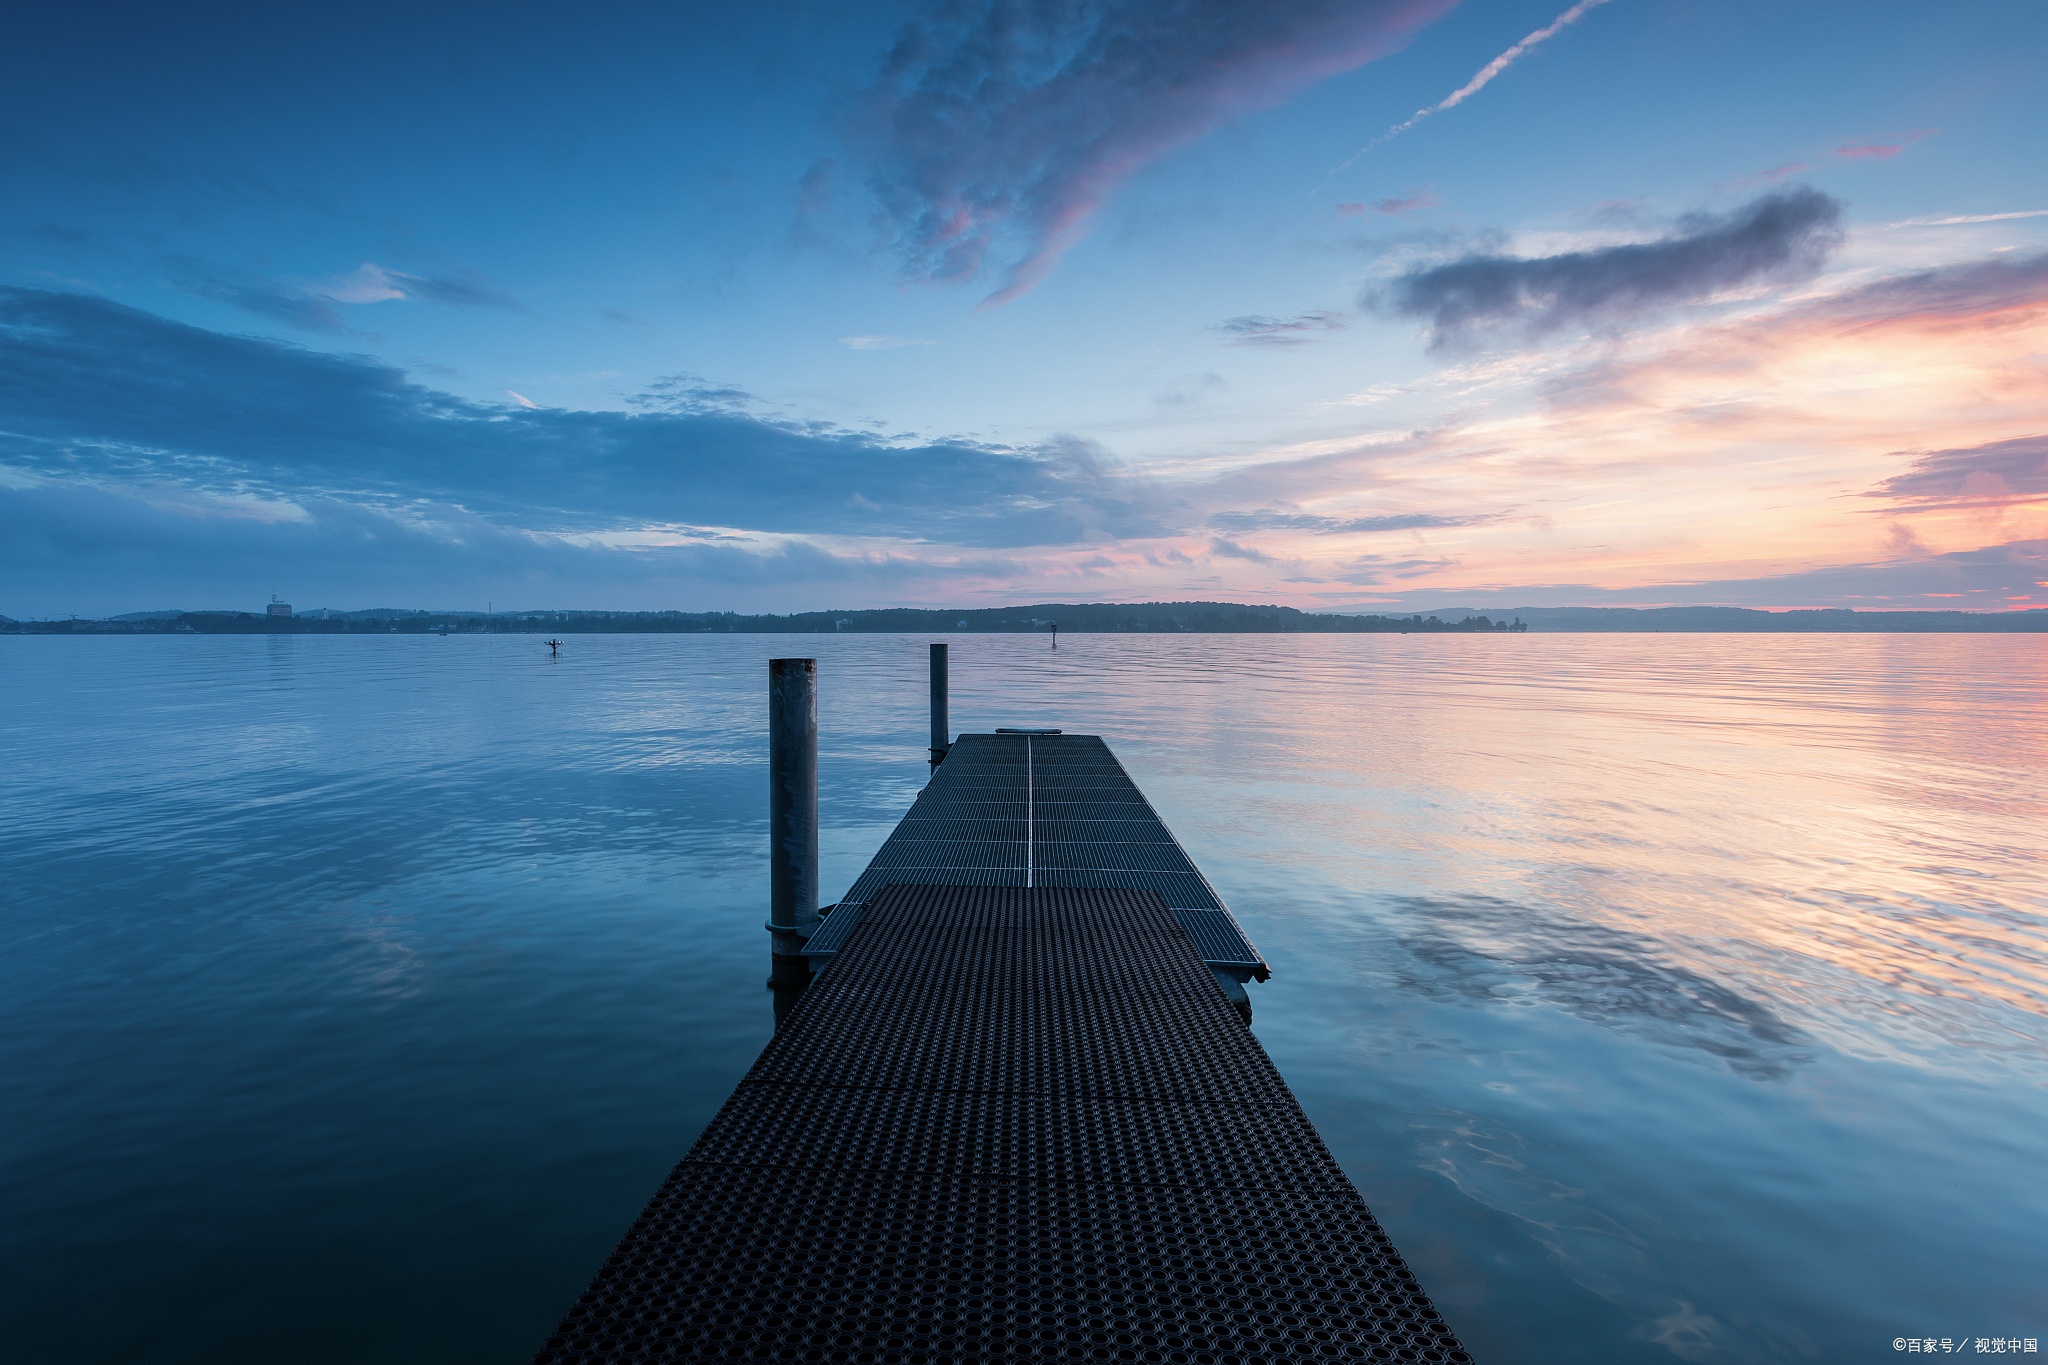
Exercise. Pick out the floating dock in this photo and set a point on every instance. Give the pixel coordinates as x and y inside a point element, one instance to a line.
<point>1017,1115</point>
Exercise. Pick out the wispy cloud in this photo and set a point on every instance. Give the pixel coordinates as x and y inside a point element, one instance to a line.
<point>1726,454</point>
<point>1254,330</point>
<point>1484,77</point>
<point>1774,174</point>
<point>1718,460</point>
<point>204,551</point>
<point>692,394</point>
<point>309,424</point>
<point>372,283</point>
<point>1982,296</point>
<point>1783,236</point>
<point>74,280</point>
<point>521,399</point>
<point>1981,578</point>
<point>1393,204</point>
<point>1955,219</point>
<point>1369,570</point>
<point>1230,549</point>
<point>1993,474</point>
<point>882,343</point>
<point>1239,523</point>
<point>999,128</point>
<point>1885,150</point>
<point>252,293</point>
<point>1190,389</point>
<point>310,307</point>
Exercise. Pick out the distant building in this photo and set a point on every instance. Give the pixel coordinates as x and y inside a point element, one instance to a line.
<point>277,608</point>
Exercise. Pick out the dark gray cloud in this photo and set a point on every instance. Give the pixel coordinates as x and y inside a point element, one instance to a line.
<point>1230,549</point>
<point>1241,522</point>
<point>1003,125</point>
<point>93,390</point>
<point>1255,330</point>
<point>1778,237</point>
<point>2002,471</point>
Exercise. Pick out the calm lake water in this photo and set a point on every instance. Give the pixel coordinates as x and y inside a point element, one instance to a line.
<point>1667,996</point>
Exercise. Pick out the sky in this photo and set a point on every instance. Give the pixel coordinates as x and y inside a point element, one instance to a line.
<point>1347,305</point>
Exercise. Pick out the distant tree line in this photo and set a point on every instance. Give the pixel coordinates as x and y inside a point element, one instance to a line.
<point>1142,618</point>
<point>1073,617</point>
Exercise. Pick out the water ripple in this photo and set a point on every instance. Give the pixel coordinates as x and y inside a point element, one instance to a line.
<point>1670,997</point>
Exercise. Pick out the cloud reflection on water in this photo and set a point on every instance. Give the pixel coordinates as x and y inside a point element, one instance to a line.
<point>1486,949</point>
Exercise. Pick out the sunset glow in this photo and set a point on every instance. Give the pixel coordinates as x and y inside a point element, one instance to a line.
<point>971,313</point>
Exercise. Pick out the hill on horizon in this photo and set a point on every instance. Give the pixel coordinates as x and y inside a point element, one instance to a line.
<point>1074,617</point>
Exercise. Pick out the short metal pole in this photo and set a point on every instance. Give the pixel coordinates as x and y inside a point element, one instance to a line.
<point>942,734</point>
<point>792,815</point>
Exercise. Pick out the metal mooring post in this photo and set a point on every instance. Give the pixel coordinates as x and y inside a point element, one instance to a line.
<point>942,736</point>
<point>792,822</point>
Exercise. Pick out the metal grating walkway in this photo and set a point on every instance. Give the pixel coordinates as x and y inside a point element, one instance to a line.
<point>1045,810</point>
<point>1009,1122</point>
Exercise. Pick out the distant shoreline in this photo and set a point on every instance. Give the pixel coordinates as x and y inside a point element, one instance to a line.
<point>1228,618</point>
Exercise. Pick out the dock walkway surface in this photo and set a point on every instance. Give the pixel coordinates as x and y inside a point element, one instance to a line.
<point>1017,1116</point>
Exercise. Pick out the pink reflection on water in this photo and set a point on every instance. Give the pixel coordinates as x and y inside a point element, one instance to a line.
<point>1841,826</point>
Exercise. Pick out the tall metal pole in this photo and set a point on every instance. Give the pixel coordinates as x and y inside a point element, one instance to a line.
<point>792,820</point>
<point>942,734</point>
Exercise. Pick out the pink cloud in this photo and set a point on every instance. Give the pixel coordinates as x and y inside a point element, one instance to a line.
<point>1424,199</point>
<point>1777,173</point>
<point>1991,475</point>
<point>1728,452</point>
<point>988,135</point>
<point>1883,151</point>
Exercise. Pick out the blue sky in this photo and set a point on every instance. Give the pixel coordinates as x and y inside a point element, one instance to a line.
<point>810,306</point>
